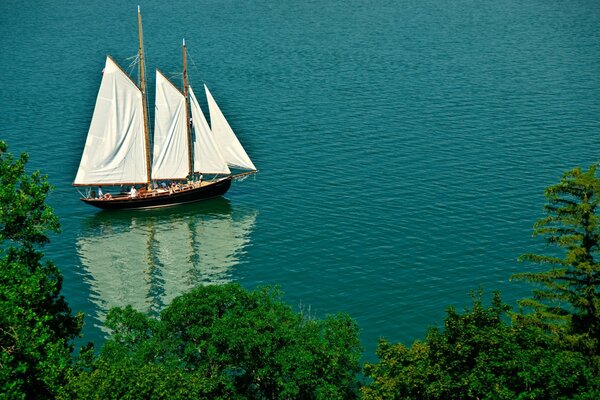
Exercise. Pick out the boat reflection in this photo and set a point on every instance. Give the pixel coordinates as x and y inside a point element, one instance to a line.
<point>147,258</point>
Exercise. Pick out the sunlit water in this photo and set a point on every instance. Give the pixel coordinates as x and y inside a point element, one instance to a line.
<point>403,146</point>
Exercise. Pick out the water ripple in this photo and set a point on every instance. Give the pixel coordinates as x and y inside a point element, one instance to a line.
<point>403,147</point>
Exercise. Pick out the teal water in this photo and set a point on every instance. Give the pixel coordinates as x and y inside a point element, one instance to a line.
<point>403,146</point>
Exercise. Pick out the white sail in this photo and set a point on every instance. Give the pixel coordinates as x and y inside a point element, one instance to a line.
<point>233,152</point>
<point>115,149</point>
<point>170,160</point>
<point>207,157</point>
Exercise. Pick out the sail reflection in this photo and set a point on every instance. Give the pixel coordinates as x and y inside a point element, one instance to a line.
<point>147,258</point>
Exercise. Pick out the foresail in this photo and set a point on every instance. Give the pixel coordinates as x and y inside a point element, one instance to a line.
<point>170,160</point>
<point>207,156</point>
<point>233,152</point>
<point>115,148</point>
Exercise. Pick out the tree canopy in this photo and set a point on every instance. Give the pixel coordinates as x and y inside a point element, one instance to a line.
<point>479,354</point>
<point>36,324</point>
<point>224,342</point>
<point>567,298</point>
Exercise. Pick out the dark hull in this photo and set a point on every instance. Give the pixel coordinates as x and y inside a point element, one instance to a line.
<point>215,189</point>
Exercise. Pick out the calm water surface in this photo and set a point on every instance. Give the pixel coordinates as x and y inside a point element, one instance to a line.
<point>403,146</point>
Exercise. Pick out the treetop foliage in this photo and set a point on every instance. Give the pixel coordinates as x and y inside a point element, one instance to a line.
<point>36,325</point>
<point>225,342</point>
<point>25,218</point>
<point>479,354</point>
<point>567,297</point>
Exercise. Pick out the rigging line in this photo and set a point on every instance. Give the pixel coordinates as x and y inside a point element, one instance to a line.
<point>195,65</point>
<point>175,75</point>
<point>135,61</point>
<point>242,178</point>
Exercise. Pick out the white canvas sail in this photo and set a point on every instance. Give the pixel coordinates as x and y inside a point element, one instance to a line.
<point>170,159</point>
<point>115,149</point>
<point>207,156</point>
<point>233,152</point>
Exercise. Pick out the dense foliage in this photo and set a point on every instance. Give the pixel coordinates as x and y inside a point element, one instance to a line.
<point>224,342</point>
<point>36,325</point>
<point>568,297</point>
<point>479,354</point>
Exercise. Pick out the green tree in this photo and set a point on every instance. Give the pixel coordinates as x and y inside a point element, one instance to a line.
<point>568,297</point>
<point>224,342</point>
<point>36,324</point>
<point>479,354</point>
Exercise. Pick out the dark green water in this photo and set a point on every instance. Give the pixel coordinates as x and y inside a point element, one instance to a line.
<point>403,146</point>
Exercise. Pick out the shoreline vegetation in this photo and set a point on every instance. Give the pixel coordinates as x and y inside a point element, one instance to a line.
<point>225,342</point>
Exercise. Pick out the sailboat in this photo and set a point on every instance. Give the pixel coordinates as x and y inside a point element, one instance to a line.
<point>117,148</point>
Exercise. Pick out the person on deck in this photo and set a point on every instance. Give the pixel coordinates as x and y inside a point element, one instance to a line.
<point>133,192</point>
<point>100,194</point>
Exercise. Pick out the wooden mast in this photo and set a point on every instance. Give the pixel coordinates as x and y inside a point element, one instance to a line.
<point>144,97</point>
<point>187,107</point>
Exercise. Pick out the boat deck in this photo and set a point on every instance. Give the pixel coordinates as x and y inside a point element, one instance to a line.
<point>163,197</point>
<point>156,192</point>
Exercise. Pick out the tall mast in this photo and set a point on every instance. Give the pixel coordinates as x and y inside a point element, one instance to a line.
<point>187,107</point>
<point>144,97</point>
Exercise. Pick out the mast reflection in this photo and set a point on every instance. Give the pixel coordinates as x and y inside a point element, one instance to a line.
<point>147,258</point>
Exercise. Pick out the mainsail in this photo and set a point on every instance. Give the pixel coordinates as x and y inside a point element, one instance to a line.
<point>207,157</point>
<point>231,149</point>
<point>115,151</point>
<point>170,132</point>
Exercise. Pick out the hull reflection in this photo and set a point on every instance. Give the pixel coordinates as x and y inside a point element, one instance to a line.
<point>146,259</point>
